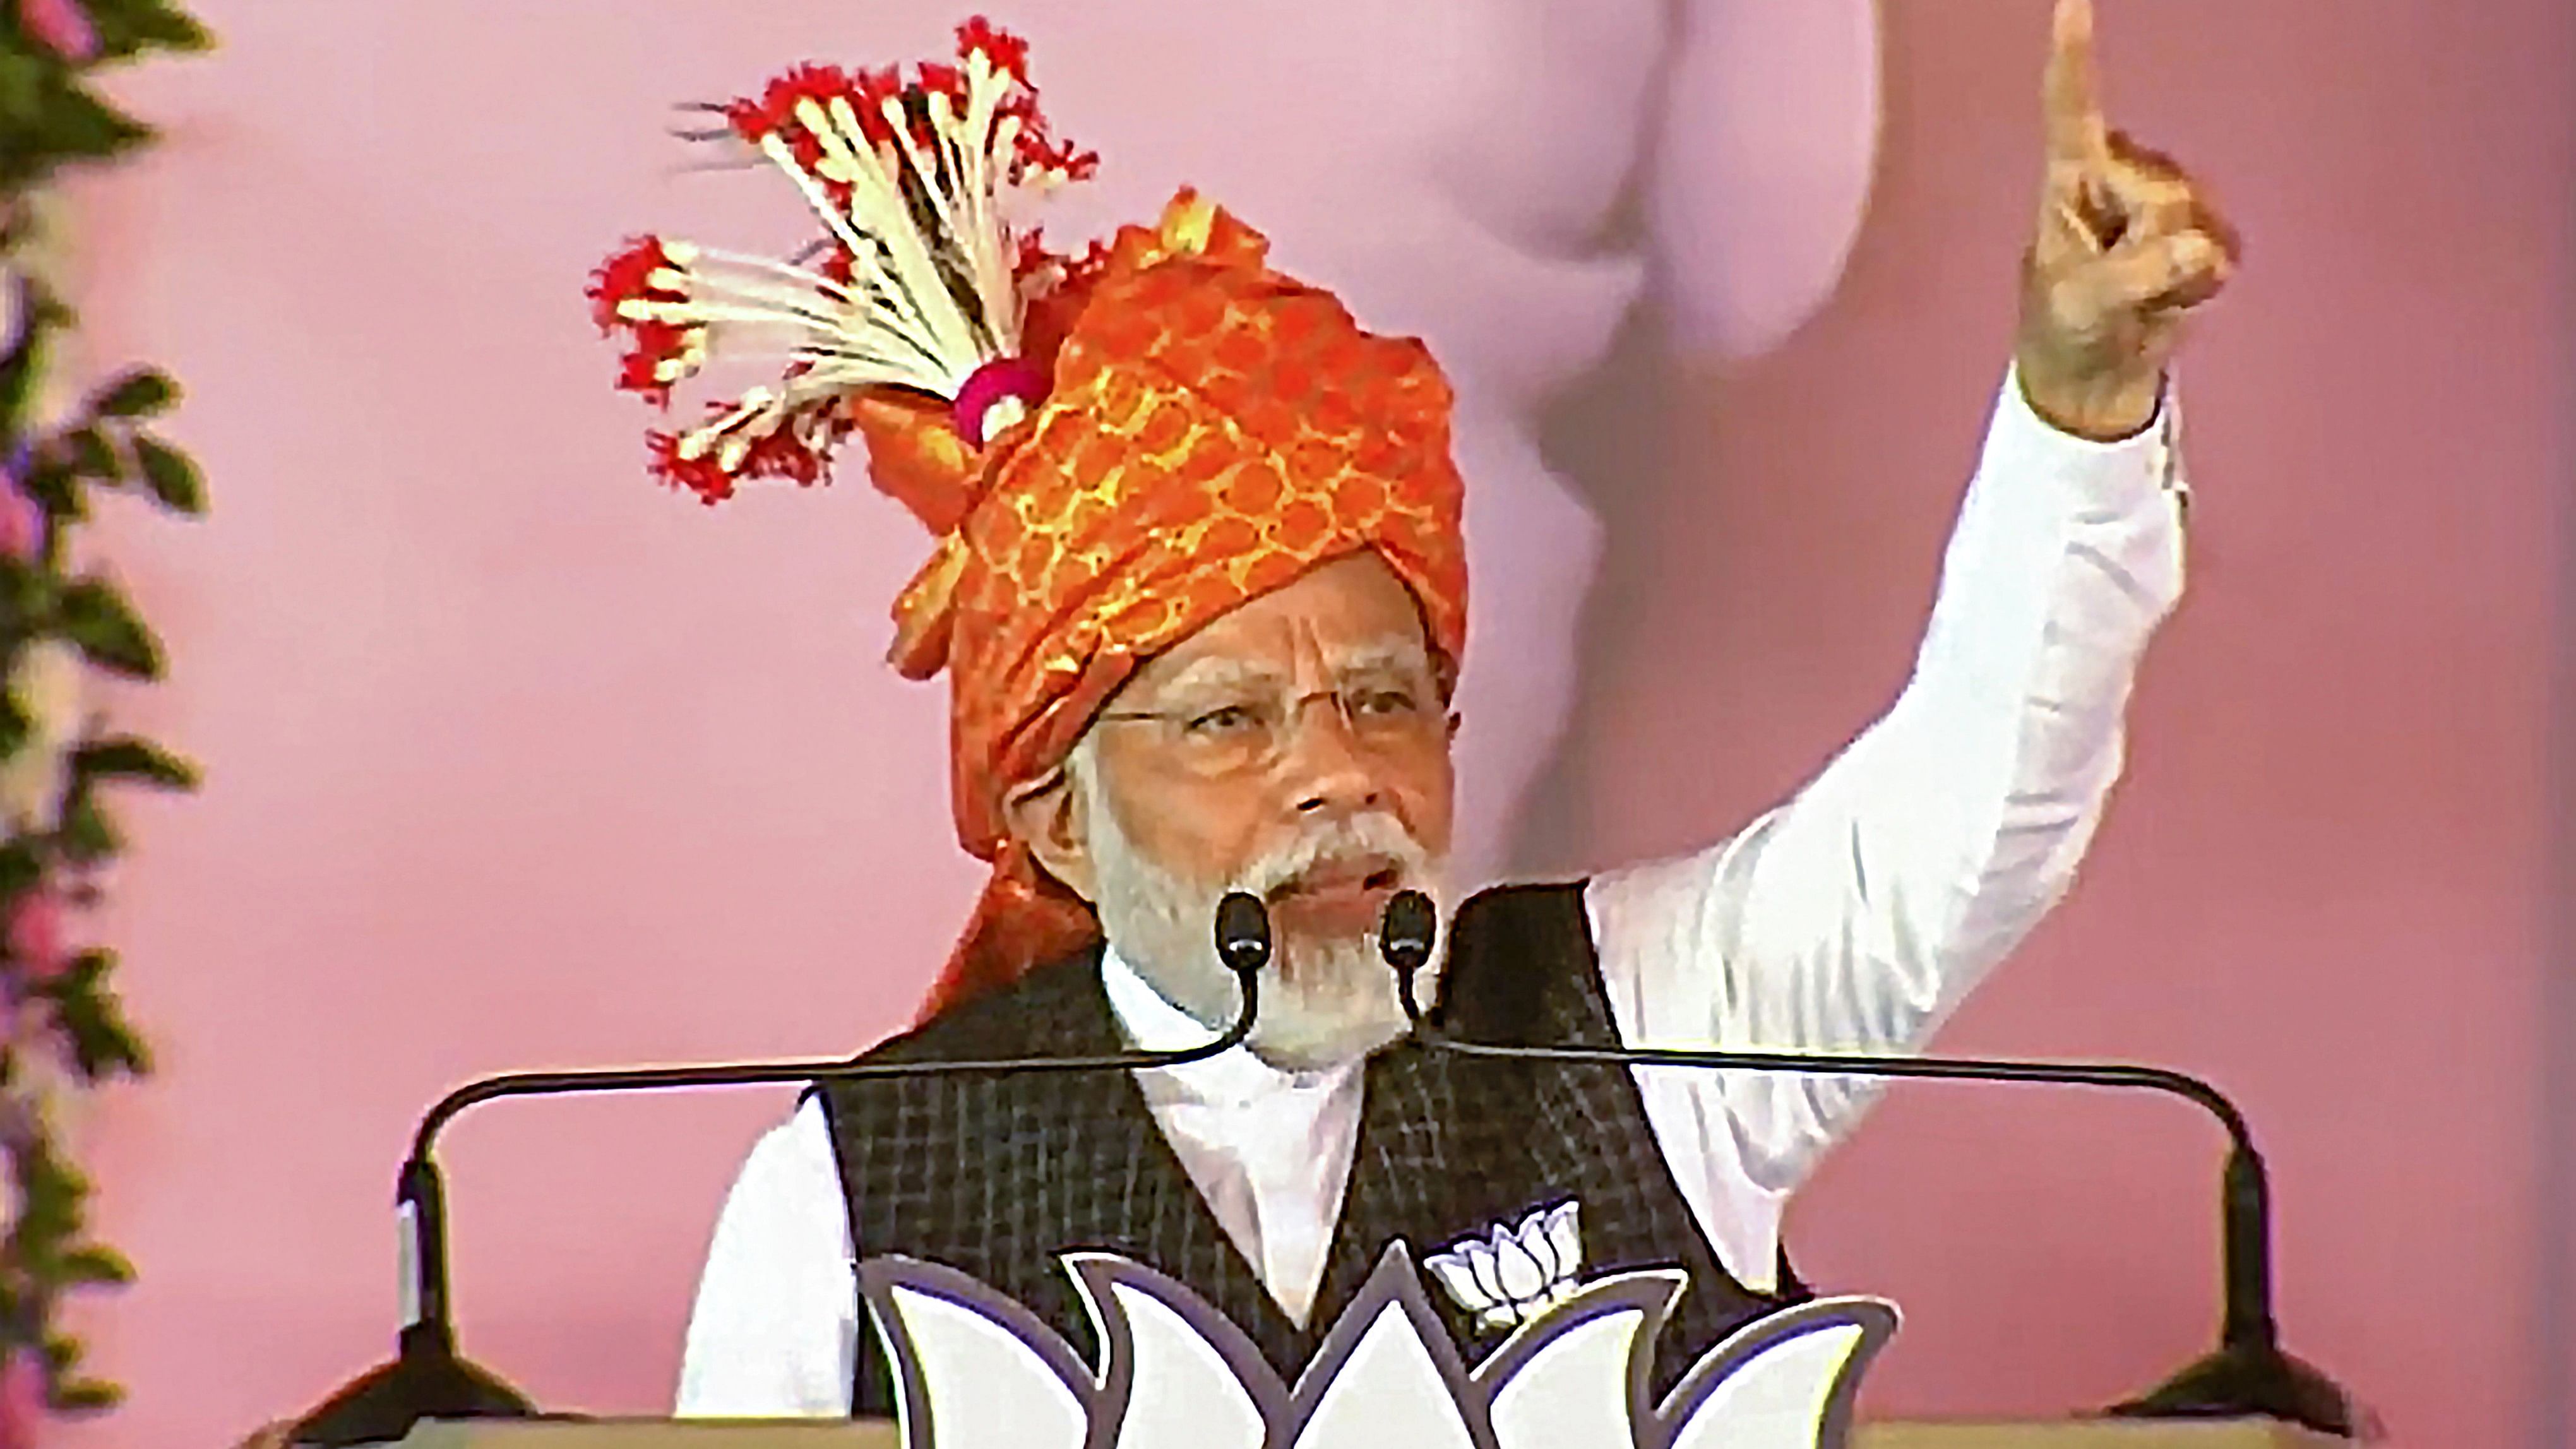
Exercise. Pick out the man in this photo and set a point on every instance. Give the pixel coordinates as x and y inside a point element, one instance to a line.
<point>1201,595</point>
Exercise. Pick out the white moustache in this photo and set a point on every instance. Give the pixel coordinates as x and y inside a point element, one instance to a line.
<point>1375,840</point>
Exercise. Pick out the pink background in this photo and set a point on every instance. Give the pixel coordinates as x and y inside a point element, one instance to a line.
<point>2325,883</point>
<point>516,763</point>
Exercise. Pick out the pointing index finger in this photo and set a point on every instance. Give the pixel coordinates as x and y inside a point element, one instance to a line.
<point>2071,94</point>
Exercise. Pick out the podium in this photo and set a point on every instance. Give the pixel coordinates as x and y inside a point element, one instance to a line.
<point>975,1370</point>
<point>2095,1434</point>
<point>842,1434</point>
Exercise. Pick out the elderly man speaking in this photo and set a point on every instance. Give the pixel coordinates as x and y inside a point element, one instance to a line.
<point>1200,593</point>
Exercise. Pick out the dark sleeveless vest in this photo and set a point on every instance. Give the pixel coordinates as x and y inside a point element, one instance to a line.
<point>995,1176</point>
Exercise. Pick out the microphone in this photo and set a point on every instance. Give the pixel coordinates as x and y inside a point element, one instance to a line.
<point>427,1379</point>
<point>2247,1376</point>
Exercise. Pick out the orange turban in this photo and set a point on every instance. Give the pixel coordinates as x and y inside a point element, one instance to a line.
<point>1180,429</point>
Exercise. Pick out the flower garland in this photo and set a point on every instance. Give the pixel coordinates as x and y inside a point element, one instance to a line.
<point>61,1027</point>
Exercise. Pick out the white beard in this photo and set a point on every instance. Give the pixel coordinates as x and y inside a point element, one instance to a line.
<point>1322,1003</point>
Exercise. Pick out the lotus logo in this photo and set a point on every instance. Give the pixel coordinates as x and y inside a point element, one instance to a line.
<point>975,1370</point>
<point>1512,1275</point>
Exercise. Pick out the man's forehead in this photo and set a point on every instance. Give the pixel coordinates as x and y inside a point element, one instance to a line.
<point>1391,653</point>
<point>1349,615</point>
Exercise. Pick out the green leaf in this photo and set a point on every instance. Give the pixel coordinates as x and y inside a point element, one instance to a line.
<point>86,836</point>
<point>127,28</point>
<point>55,483</point>
<point>26,599</point>
<point>84,127</point>
<point>178,31</point>
<point>125,757</point>
<point>97,1264</point>
<point>91,614</point>
<point>59,122</point>
<point>13,725</point>
<point>50,1196</point>
<point>93,456</point>
<point>18,370</point>
<point>172,478</point>
<point>23,77</point>
<point>83,977</point>
<point>138,394</point>
<point>101,1041</point>
<point>41,315</point>
<point>19,867</point>
<point>85,1396</point>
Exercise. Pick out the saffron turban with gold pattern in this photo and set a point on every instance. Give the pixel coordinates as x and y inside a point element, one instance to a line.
<point>1112,451</point>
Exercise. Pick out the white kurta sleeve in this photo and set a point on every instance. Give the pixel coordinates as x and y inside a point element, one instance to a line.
<point>1856,916</point>
<point>777,1310</point>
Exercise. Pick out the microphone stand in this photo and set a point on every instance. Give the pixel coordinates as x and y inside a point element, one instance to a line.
<point>428,1379</point>
<point>2248,1375</point>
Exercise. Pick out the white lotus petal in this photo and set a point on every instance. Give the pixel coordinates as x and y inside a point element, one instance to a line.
<point>1482,1261</point>
<point>1184,1395</point>
<point>1565,1240</point>
<point>1574,1390</point>
<point>1531,1234</point>
<point>1523,1278</point>
<point>1387,1392</point>
<point>1776,1399</point>
<point>985,1386</point>
<point>1460,1280</point>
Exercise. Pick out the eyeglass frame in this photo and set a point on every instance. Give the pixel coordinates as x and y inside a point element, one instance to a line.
<point>1292,712</point>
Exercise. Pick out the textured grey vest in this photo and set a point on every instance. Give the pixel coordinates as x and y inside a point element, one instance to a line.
<point>995,1176</point>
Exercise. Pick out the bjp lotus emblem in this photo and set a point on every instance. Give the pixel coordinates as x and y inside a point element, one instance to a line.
<point>974,1370</point>
<point>1511,1275</point>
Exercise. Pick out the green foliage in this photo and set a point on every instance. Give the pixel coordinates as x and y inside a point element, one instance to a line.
<point>92,614</point>
<point>14,727</point>
<point>22,867</point>
<point>128,28</point>
<point>103,1043</point>
<point>83,1396</point>
<point>170,476</point>
<point>86,836</point>
<point>138,394</point>
<point>53,118</point>
<point>124,757</point>
<point>50,119</point>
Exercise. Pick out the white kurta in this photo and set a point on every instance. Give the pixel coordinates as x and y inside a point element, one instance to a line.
<point>1852,918</point>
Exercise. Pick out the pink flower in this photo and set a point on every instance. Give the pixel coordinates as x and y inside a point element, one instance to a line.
<point>22,1400</point>
<point>35,935</point>
<point>63,26</point>
<point>22,520</point>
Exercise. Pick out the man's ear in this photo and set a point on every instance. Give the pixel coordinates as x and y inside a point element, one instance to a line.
<point>1047,815</point>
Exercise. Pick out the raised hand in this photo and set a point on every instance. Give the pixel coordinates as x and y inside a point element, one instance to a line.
<point>2126,245</point>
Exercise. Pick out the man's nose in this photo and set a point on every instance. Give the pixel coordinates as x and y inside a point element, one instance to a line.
<point>1328,770</point>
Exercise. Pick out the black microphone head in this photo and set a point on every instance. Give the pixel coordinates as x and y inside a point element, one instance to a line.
<point>1406,932</point>
<point>1242,933</point>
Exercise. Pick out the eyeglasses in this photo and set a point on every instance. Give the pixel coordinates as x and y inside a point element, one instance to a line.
<point>1244,730</point>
